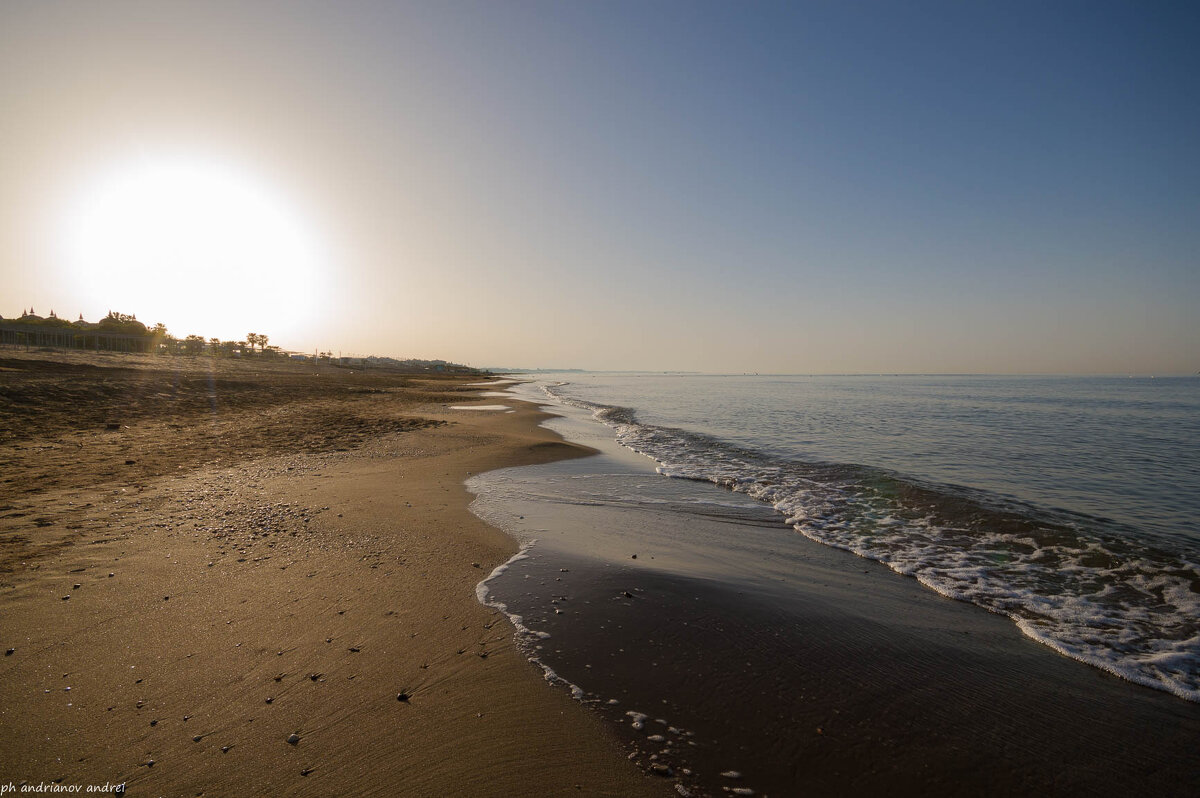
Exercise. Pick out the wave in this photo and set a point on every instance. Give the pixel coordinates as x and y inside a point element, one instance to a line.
<point>1099,592</point>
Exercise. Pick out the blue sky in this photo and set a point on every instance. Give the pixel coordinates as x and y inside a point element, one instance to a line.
<point>832,187</point>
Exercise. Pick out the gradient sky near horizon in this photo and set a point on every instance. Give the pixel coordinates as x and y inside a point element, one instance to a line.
<point>767,187</point>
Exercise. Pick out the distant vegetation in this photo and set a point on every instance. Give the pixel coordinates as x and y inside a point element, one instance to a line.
<point>121,332</point>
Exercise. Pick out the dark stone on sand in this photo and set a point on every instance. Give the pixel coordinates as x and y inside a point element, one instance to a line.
<point>9,652</point>
<point>293,739</point>
<point>355,650</point>
<point>153,723</point>
<point>149,763</point>
<point>225,749</point>
<point>197,738</point>
<point>130,462</point>
<point>270,700</point>
<point>306,771</point>
<point>76,586</point>
<point>634,557</point>
<point>66,598</point>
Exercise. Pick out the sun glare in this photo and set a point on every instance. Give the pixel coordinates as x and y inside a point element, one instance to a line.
<point>199,244</point>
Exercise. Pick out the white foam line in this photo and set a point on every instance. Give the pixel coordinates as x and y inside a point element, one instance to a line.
<point>524,636</point>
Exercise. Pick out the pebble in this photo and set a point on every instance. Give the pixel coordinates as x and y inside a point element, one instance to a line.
<point>197,738</point>
<point>225,749</point>
<point>293,739</point>
<point>402,696</point>
<point>9,652</point>
<point>66,598</point>
<point>76,586</point>
<point>731,774</point>
<point>269,700</point>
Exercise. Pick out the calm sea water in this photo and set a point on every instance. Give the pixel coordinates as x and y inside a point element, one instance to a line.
<point>1071,505</point>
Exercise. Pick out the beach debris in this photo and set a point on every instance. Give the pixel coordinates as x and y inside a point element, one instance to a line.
<point>684,791</point>
<point>742,791</point>
<point>293,739</point>
<point>656,738</point>
<point>659,769</point>
<point>731,774</point>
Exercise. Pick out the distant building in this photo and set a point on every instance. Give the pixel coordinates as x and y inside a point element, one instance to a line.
<point>115,333</point>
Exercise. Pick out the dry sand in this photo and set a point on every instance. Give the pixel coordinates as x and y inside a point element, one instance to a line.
<point>200,559</point>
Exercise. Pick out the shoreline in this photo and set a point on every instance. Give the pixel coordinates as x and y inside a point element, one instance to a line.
<point>732,644</point>
<point>212,611</point>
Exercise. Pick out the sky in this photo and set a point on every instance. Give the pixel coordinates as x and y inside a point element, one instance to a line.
<point>800,187</point>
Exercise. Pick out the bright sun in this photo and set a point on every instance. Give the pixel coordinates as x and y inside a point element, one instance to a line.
<point>198,244</point>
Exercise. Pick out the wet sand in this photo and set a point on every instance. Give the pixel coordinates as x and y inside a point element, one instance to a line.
<point>223,577</point>
<point>717,640</point>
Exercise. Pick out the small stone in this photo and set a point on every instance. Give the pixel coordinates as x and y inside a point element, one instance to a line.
<point>197,738</point>
<point>149,763</point>
<point>659,769</point>
<point>731,774</point>
<point>224,749</point>
<point>166,598</point>
<point>306,771</point>
<point>269,700</point>
<point>634,557</point>
<point>293,739</point>
<point>153,723</point>
<point>66,598</point>
<point>9,652</point>
<point>111,574</point>
<point>76,586</point>
<point>402,697</point>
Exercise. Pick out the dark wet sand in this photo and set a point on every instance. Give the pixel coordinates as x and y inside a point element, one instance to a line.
<point>815,672</point>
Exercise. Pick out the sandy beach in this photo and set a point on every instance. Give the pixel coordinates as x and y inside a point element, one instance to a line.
<point>258,578</point>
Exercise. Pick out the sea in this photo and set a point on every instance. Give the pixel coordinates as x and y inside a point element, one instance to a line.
<point>1069,506</point>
